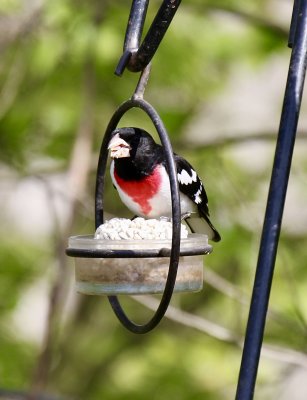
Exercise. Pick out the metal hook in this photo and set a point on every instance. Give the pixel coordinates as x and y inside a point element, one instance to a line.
<point>135,56</point>
<point>141,86</point>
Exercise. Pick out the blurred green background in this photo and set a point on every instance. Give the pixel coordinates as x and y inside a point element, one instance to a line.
<point>217,81</point>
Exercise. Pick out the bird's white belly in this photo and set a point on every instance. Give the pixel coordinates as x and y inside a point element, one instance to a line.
<point>162,202</point>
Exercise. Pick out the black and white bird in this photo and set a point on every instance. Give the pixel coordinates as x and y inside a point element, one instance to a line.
<point>139,173</point>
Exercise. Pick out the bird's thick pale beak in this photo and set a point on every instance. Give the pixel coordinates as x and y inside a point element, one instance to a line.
<point>119,148</point>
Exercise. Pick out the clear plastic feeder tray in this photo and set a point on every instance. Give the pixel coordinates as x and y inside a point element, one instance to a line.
<point>113,276</point>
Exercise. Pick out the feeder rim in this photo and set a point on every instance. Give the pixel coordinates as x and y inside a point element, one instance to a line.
<point>88,247</point>
<point>146,253</point>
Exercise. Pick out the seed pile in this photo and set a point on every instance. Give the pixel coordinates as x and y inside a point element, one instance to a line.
<point>137,229</point>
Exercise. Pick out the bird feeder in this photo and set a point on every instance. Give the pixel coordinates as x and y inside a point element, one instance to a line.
<point>110,267</point>
<point>135,266</point>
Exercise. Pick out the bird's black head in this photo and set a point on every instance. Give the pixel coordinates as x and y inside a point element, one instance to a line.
<point>128,142</point>
<point>134,149</point>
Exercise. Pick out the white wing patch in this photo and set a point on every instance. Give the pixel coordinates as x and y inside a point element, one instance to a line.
<point>197,197</point>
<point>185,178</point>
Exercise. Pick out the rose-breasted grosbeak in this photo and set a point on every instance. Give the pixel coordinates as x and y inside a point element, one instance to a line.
<point>139,173</point>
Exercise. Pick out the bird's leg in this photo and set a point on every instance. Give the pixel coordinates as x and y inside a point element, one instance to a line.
<point>165,219</point>
<point>185,215</point>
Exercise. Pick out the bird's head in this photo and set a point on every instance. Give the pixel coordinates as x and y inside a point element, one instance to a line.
<point>119,144</point>
<point>130,142</point>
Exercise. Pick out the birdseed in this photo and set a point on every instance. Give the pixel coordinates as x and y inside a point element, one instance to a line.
<point>137,229</point>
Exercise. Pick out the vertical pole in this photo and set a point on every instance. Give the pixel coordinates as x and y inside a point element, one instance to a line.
<point>274,210</point>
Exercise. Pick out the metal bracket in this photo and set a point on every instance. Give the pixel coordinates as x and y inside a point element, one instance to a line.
<point>135,56</point>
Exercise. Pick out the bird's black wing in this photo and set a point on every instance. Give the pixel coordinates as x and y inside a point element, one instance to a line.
<point>191,185</point>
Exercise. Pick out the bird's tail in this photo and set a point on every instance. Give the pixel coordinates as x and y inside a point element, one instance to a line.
<point>202,224</point>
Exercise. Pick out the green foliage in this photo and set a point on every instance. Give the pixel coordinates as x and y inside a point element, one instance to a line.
<point>56,82</point>
<point>20,264</point>
<point>16,363</point>
<point>19,270</point>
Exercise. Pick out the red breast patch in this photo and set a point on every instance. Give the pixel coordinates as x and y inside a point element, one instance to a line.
<point>143,190</point>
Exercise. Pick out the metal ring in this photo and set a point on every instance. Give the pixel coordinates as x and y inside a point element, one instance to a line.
<point>176,212</point>
<point>163,252</point>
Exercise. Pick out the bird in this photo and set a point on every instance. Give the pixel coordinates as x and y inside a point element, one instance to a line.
<point>138,171</point>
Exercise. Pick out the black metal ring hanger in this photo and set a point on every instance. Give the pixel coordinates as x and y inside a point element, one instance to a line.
<point>137,101</point>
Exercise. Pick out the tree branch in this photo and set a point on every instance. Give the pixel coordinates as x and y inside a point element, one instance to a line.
<point>232,291</point>
<point>253,19</point>
<point>218,332</point>
<point>77,181</point>
<point>221,140</point>
<point>11,86</point>
<point>18,26</point>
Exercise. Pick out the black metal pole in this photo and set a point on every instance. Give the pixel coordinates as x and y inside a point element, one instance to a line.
<point>293,25</point>
<point>274,210</point>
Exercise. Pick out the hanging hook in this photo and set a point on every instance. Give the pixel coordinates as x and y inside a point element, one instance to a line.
<point>141,86</point>
<point>135,56</point>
